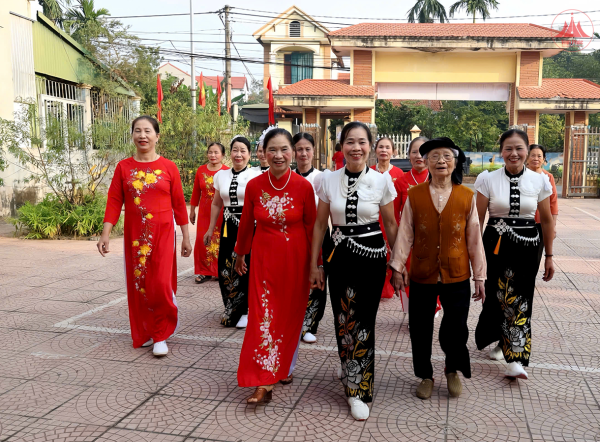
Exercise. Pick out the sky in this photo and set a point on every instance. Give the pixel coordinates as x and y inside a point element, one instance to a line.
<point>174,32</point>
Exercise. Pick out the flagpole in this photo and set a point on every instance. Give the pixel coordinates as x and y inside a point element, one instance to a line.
<point>192,69</point>
<point>193,88</point>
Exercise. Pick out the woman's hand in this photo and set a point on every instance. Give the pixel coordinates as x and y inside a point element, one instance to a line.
<point>400,281</point>
<point>207,237</point>
<point>186,248</point>
<point>240,265</point>
<point>193,215</point>
<point>479,291</point>
<point>548,269</point>
<point>102,244</point>
<point>317,278</point>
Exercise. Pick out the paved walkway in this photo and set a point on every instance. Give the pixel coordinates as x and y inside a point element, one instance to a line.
<point>68,371</point>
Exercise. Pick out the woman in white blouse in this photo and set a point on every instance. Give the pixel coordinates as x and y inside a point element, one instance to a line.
<point>230,187</point>
<point>512,195</point>
<point>354,196</point>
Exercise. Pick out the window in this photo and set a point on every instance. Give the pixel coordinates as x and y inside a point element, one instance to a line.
<point>297,66</point>
<point>295,28</point>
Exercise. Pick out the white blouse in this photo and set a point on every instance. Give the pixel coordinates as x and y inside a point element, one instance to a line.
<point>222,181</point>
<point>374,190</point>
<point>533,188</point>
<point>311,179</point>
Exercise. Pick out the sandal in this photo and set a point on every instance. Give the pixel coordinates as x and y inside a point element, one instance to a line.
<point>201,279</point>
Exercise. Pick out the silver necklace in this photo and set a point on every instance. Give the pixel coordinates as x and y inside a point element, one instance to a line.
<point>286,183</point>
<point>349,189</point>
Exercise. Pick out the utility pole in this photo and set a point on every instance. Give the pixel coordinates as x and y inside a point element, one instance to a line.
<point>227,57</point>
<point>193,88</point>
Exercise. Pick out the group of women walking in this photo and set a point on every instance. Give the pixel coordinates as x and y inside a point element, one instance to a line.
<point>278,239</point>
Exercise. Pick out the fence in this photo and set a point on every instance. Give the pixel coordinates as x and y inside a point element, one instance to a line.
<point>400,142</point>
<point>583,172</point>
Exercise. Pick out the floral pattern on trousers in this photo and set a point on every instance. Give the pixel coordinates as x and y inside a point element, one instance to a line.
<point>516,328</point>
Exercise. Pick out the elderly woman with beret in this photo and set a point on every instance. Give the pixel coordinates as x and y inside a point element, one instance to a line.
<point>441,226</point>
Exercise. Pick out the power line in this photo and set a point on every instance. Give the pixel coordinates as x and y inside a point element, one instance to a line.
<point>187,14</point>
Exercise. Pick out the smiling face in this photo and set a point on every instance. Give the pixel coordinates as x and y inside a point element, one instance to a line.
<point>279,154</point>
<point>240,155</point>
<point>514,153</point>
<point>441,162</point>
<point>416,160</point>
<point>260,154</point>
<point>356,149</point>
<point>215,156</point>
<point>535,160</point>
<point>384,150</point>
<point>144,136</point>
<point>304,151</point>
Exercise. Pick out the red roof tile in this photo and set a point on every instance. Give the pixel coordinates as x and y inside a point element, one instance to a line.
<point>344,76</point>
<point>236,82</point>
<point>492,30</point>
<point>329,88</point>
<point>435,105</point>
<point>575,88</point>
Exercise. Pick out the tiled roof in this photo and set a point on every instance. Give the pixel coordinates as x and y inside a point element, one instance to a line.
<point>435,105</point>
<point>331,88</point>
<point>492,30</point>
<point>344,76</point>
<point>236,82</point>
<point>575,88</point>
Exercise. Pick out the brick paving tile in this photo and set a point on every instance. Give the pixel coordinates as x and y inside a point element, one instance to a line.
<point>83,380</point>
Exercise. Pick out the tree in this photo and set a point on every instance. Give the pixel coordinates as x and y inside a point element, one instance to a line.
<point>552,132</point>
<point>53,9</point>
<point>427,11</point>
<point>473,7</point>
<point>58,153</point>
<point>256,94</point>
<point>84,22</point>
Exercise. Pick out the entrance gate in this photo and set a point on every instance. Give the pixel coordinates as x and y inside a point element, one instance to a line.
<point>582,175</point>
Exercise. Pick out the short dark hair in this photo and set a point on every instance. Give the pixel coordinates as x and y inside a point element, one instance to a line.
<point>338,147</point>
<point>414,140</point>
<point>242,140</point>
<point>303,136</point>
<point>385,138</point>
<point>355,125</point>
<point>509,133</point>
<point>540,147</point>
<point>273,133</point>
<point>152,121</point>
<point>214,143</point>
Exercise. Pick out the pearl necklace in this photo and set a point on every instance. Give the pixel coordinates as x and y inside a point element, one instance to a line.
<point>286,183</point>
<point>349,189</point>
<point>411,172</point>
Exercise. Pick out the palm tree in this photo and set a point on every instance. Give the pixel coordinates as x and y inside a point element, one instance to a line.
<point>84,22</point>
<point>473,7</point>
<point>54,9</point>
<point>426,11</point>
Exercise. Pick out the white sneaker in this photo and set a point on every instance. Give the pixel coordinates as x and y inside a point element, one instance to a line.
<point>339,372</point>
<point>496,354</point>
<point>243,322</point>
<point>148,343</point>
<point>309,338</point>
<point>358,409</point>
<point>160,348</point>
<point>515,370</point>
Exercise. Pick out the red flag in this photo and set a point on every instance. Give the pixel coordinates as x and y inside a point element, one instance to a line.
<point>159,97</point>
<point>202,93</point>
<point>218,95</point>
<point>271,104</point>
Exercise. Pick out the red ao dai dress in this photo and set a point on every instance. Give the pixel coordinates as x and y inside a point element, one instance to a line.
<point>205,257</point>
<point>396,174</point>
<point>154,202</point>
<point>279,269</point>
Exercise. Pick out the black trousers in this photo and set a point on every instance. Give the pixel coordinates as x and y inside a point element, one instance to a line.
<point>317,299</point>
<point>454,332</point>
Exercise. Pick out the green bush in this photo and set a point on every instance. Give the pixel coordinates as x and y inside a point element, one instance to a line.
<point>476,170</point>
<point>187,192</point>
<point>50,218</point>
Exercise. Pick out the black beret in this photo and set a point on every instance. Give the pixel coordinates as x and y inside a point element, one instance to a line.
<point>436,143</point>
